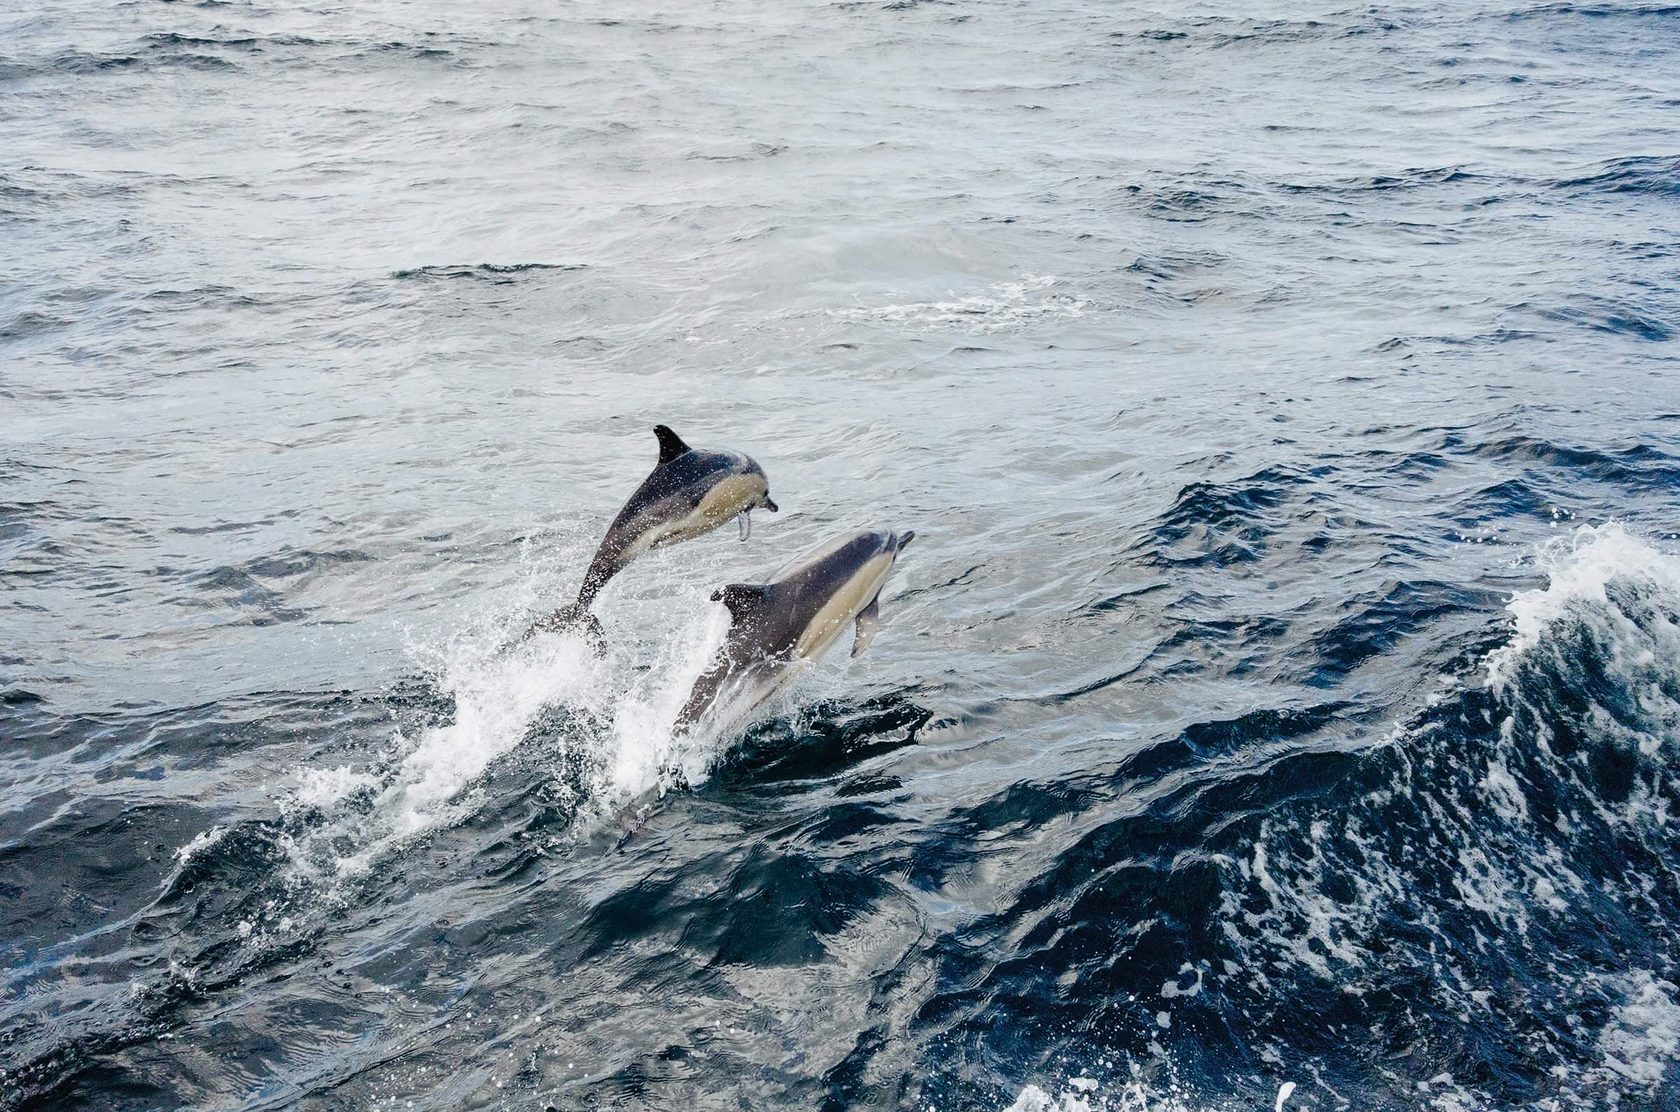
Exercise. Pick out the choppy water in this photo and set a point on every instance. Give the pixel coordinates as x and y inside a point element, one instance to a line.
<point>1280,708</point>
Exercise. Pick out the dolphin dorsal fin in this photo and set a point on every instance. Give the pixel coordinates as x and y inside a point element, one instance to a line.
<point>670,444</point>
<point>740,598</point>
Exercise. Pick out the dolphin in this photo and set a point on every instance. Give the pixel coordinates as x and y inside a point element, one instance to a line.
<point>691,491</point>
<point>776,627</point>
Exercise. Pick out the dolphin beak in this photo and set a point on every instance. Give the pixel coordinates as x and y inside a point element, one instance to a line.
<point>770,505</point>
<point>905,538</point>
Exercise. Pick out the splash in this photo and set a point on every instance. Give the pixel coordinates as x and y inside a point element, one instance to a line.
<point>608,718</point>
<point>201,842</point>
<point>1614,585</point>
<point>609,721</point>
<point>1072,1099</point>
<point>497,698</point>
<point>646,754</point>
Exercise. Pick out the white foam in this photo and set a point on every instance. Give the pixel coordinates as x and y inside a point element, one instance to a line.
<point>1580,568</point>
<point>201,842</point>
<point>1081,1094</point>
<point>646,754</point>
<point>1171,989</point>
<point>1315,915</point>
<point>1486,887</point>
<point>327,787</point>
<point>997,308</point>
<point>1642,1039</point>
<point>1150,1085</point>
<point>1034,1099</point>
<point>496,700</point>
<point>1609,605</point>
<point>1446,1095</point>
<point>624,746</point>
<point>1503,793</point>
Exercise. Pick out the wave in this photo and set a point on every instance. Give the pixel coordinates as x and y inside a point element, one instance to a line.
<point>1638,466</point>
<point>498,273</point>
<point>1605,315</point>
<point>1510,844</point>
<point>1610,588</point>
<point>1481,897</point>
<point>1650,175</point>
<point>251,43</point>
<point>1597,11</point>
<point>1222,524</point>
<point>82,64</point>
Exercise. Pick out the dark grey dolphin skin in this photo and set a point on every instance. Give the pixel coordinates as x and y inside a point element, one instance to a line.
<point>776,626</point>
<point>690,492</point>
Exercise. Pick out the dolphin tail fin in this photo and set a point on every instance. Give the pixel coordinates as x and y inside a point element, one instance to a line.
<point>670,444</point>
<point>572,618</point>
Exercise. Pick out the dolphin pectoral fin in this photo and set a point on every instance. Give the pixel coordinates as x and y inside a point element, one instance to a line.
<point>770,504</point>
<point>746,524</point>
<point>868,622</point>
<point>670,444</point>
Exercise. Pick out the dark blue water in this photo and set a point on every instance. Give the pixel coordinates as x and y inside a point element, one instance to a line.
<point>1280,706</point>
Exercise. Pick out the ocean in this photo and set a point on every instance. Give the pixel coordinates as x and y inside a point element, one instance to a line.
<point>1279,708</point>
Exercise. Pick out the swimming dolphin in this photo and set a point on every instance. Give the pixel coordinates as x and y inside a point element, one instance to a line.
<point>777,626</point>
<point>691,491</point>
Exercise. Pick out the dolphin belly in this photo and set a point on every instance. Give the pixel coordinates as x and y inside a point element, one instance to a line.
<point>689,514</point>
<point>854,596</point>
<point>721,502</point>
<point>725,692</point>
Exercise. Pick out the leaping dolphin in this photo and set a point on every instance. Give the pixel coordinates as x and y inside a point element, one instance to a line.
<point>778,626</point>
<point>690,492</point>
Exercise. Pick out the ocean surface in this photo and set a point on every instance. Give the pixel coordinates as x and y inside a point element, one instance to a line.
<point>1279,708</point>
